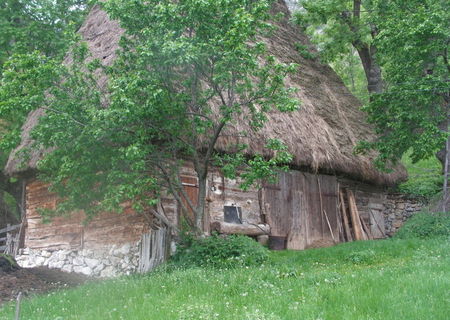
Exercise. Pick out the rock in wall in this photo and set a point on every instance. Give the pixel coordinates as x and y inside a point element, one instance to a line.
<point>397,209</point>
<point>101,262</point>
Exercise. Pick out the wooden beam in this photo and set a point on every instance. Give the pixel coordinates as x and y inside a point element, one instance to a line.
<point>329,226</point>
<point>348,234</point>
<point>10,228</point>
<point>234,228</point>
<point>366,229</point>
<point>356,222</point>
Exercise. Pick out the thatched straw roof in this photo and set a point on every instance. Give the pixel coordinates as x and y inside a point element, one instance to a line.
<point>321,135</point>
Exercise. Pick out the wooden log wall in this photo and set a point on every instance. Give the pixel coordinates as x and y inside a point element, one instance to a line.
<point>70,232</point>
<point>302,207</point>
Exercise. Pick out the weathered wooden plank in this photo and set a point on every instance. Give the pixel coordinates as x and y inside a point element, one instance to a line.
<point>10,228</point>
<point>348,234</point>
<point>297,236</point>
<point>153,249</point>
<point>280,198</point>
<point>356,222</point>
<point>377,224</point>
<point>366,228</point>
<point>247,229</point>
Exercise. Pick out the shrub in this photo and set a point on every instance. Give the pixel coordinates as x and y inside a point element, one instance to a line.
<point>221,252</point>
<point>425,225</point>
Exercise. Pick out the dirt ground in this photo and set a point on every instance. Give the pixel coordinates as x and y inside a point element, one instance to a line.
<point>35,280</point>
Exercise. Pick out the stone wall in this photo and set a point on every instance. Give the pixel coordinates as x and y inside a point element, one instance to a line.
<point>397,209</point>
<point>101,262</point>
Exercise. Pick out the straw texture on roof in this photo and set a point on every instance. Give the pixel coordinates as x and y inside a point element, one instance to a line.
<point>321,134</point>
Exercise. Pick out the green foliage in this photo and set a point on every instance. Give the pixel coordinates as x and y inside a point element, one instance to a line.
<point>425,225</point>
<point>25,79</point>
<point>411,113</point>
<point>31,32</point>
<point>46,26</point>
<point>410,42</point>
<point>424,177</point>
<point>257,167</point>
<point>349,68</point>
<point>304,51</point>
<point>10,202</point>
<point>8,263</point>
<point>221,252</point>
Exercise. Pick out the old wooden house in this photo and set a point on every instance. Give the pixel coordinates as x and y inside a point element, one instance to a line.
<point>307,207</point>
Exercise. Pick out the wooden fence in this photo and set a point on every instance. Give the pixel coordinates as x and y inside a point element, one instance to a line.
<point>154,249</point>
<point>10,239</point>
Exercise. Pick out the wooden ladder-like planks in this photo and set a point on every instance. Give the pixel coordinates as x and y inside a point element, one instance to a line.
<point>354,226</point>
<point>345,221</point>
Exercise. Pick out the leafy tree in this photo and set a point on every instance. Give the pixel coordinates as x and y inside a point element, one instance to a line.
<point>349,68</point>
<point>27,29</point>
<point>339,25</point>
<point>413,111</point>
<point>188,72</point>
<point>408,41</point>
<point>43,25</point>
<point>26,26</point>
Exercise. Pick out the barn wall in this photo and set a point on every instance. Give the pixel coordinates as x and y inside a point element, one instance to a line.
<point>106,246</point>
<point>297,207</point>
<point>70,232</point>
<point>370,201</point>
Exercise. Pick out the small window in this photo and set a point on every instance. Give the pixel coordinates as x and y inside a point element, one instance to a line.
<point>232,214</point>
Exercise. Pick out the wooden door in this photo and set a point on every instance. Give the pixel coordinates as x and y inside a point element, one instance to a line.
<point>283,200</point>
<point>303,208</point>
<point>278,203</point>
<point>190,187</point>
<point>376,217</point>
<point>321,204</point>
<point>298,229</point>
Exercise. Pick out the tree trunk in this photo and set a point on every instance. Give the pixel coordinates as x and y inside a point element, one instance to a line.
<point>444,126</point>
<point>200,210</point>
<point>371,68</point>
<point>446,170</point>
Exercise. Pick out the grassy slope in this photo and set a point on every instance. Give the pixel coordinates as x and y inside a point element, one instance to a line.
<point>389,279</point>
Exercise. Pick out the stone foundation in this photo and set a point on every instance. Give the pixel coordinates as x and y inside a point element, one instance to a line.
<point>103,262</point>
<point>398,208</point>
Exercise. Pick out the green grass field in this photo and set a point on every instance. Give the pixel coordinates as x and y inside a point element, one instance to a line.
<point>388,279</point>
